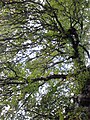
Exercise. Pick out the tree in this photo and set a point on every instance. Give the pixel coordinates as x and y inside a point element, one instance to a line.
<point>43,55</point>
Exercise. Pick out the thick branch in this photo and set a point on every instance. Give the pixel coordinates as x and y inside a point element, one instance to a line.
<point>85,50</point>
<point>12,83</point>
<point>55,76</point>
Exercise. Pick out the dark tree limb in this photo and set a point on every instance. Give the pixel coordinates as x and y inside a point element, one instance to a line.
<point>85,50</point>
<point>55,76</point>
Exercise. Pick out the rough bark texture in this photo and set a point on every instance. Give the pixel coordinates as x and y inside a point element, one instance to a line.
<point>85,98</point>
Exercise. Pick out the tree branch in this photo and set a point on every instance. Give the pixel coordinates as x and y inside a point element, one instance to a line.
<point>54,76</point>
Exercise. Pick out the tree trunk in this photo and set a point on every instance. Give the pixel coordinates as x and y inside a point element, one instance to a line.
<point>84,98</point>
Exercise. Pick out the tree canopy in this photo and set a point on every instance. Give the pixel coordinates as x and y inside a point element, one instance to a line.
<point>44,51</point>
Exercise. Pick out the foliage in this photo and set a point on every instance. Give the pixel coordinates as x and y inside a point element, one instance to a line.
<point>43,55</point>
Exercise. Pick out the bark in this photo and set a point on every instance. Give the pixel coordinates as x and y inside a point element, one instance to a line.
<point>84,98</point>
